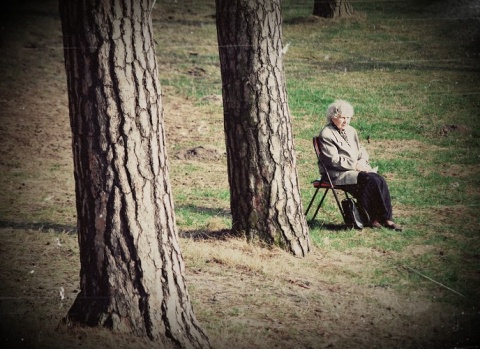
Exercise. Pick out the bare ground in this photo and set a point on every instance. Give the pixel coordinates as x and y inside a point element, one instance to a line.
<point>245,296</point>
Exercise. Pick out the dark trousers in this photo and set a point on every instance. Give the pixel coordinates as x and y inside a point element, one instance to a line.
<point>373,195</point>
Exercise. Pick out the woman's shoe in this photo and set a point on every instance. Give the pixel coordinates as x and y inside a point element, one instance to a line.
<point>393,226</point>
<point>375,224</point>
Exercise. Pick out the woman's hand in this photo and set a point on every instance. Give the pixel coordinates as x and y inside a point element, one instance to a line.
<point>363,166</point>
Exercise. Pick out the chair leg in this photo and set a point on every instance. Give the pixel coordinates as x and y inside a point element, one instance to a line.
<point>340,206</point>
<point>311,201</point>
<point>320,204</point>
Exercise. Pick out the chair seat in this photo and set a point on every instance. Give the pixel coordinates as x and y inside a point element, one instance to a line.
<point>317,183</point>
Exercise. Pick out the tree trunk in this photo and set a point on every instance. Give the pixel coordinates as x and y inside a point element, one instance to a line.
<point>332,8</point>
<point>132,270</point>
<point>265,198</point>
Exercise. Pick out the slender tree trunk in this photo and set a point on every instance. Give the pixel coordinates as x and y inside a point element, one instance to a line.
<point>132,271</point>
<point>332,8</point>
<point>265,198</point>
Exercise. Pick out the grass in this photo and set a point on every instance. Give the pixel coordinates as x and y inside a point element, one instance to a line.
<point>405,83</point>
<point>403,95</point>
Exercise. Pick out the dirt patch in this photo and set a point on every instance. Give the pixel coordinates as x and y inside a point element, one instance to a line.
<point>199,153</point>
<point>460,129</point>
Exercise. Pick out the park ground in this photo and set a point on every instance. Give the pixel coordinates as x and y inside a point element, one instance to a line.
<point>244,295</point>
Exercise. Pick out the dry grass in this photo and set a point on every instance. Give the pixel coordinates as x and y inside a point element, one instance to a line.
<point>244,295</point>
<point>353,290</point>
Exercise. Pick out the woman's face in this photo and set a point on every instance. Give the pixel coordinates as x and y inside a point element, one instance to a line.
<point>341,121</point>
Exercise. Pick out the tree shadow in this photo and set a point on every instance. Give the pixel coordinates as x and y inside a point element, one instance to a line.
<point>196,235</point>
<point>327,226</point>
<point>40,226</point>
<point>205,235</point>
<point>369,64</point>
<point>220,212</point>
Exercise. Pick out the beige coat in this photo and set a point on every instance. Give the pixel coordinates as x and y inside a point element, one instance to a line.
<point>340,157</point>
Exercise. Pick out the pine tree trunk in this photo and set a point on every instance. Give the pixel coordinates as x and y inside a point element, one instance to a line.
<point>132,270</point>
<point>265,198</point>
<point>332,8</point>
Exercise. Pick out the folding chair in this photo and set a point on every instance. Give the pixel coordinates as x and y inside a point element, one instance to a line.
<point>325,182</point>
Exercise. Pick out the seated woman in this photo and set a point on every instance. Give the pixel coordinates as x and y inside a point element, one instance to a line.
<point>347,163</point>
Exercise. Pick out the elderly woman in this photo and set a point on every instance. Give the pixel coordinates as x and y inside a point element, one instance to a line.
<point>347,164</point>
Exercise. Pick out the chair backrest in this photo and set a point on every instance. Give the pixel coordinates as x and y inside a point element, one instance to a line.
<point>318,150</point>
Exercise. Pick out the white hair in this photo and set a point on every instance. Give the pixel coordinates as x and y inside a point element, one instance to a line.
<point>339,108</point>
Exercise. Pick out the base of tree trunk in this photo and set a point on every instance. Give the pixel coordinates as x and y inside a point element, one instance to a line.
<point>75,329</point>
<point>89,313</point>
<point>332,8</point>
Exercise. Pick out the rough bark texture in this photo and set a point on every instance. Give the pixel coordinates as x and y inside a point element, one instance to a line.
<point>132,271</point>
<point>265,198</point>
<point>332,8</point>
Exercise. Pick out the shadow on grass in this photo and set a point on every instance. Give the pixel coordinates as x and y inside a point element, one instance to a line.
<point>209,211</point>
<point>227,234</point>
<point>203,235</point>
<point>368,64</point>
<point>40,226</point>
<point>327,226</point>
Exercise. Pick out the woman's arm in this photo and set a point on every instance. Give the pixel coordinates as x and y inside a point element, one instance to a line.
<point>332,155</point>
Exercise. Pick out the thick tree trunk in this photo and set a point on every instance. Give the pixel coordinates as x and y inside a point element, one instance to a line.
<point>332,8</point>
<point>132,271</point>
<point>265,198</point>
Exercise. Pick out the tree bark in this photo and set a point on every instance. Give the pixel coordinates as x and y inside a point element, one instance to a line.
<point>132,270</point>
<point>332,8</point>
<point>265,198</point>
